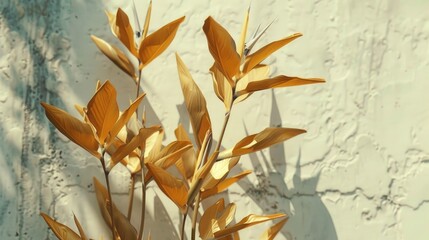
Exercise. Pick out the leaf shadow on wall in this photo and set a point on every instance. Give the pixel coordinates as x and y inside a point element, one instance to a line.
<point>308,216</point>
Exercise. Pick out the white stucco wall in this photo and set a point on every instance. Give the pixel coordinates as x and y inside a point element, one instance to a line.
<point>361,171</point>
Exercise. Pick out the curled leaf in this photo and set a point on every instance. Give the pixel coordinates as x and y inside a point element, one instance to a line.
<point>74,129</point>
<point>259,56</point>
<point>222,48</point>
<point>195,103</point>
<point>61,231</point>
<point>156,43</point>
<point>115,55</point>
<point>259,141</point>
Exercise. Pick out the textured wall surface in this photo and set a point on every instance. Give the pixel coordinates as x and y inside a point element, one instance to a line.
<point>361,171</point>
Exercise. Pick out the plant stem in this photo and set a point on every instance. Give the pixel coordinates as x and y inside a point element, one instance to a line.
<point>195,215</point>
<point>106,176</point>
<point>138,89</point>
<point>182,231</point>
<point>143,211</point>
<point>131,196</point>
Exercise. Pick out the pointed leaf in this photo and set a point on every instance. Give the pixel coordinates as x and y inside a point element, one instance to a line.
<point>278,82</point>
<point>75,130</point>
<point>122,225</point>
<point>79,227</point>
<point>174,188</point>
<point>259,56</point>
<point>264,139</point>
<point>209,217</point>
<point>271,232</point>
<point>258,73</point>
<point>248,221</point>
<point>103,110</point>
<point>115,55</point>
<point>240,47</point>
<point>221,86</point>
<point>124,31</point>
<point>61,231</point>
<point>222,48</point>
<point>125,116</point>
<point>147,20</point>
<point>195,103</point>
<point>156,43</point>
<point>223,185</point>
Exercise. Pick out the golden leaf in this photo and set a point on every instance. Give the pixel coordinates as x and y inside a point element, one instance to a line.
<point>79,227</point>
<point>112,21</point>
<point>156,43</point>
<point>248,221</point>
<point>222,48</point>
<point>125,116</point>
<point>103,110</point>
<point>243,35</point>
<point>61,231</point>
<point>259,56</point>
<point>259,141</point>
<point>218,172</point>
<point>186,164</point>
<point>222,87</point>
<point>124,228</point>
<point>277,82</point>
<point>174,188</point>
<point>124,31</point>
<point>271,232</point>
<point>260,72</point>
<point>147,20</point>
<point>115,55</point>
<point>209,217</point>
<point>223,185</point>
<point>195,103</point>
<point>74,129</point>
<point>137,141</point>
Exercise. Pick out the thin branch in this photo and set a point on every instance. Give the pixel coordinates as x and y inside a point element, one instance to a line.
<point>131,195</point>
<point>182,231</point>
<point>143,209</point>
<point>195,215</point>
<point>106,176</point>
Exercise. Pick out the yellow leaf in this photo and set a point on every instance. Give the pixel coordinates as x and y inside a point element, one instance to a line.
<point>79,227</point>
<point>222,87</point>
<point>258,73</point>
<point>61,231</point>
<point>259,56</point>
<point>174,188</point>
<point>103,110</point>
<point>248,221</point>
<point>124,228</point>
<point>156,43</point>
<point>271,232</point>
<point>243,33</point>
<point>147,20</point>
<point>124,31</point>
<point>137,141</point>
<point>222,48</point>
<point>277,82</point>
<point>125,116</point>
<point>259,141</point>
<point>223,185</point>
<point>74,129</point>
<point>186,164</point>
<point>115,55</point>
<point>195,103</point>
<point>112,21</point>
<point>218,172</point>
<point>209,217</point>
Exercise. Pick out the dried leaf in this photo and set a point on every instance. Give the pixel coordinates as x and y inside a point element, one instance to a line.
<point>137,141</point>
<point>259,141</point>
<point>174,188</point>
<point>156,43</point>
<point>103,110</point>
<point>147,20</point>
<point>124,228</point>
<point>277,82</point>
<point>61,231</point>
<point>248,221</point>
<point>79,227</point>
<point>222,87</point>
<point>74,129</point>
<point>259,56</point>
<point>195,103</point>
<point>186,164</point>
<point>258,73</point>
<point>271,232</point>
<point>115,55</point>
<point>125,32</point>
<point>223,185</point>
<point>209,217</point>
<point>218,172</point>
<point>243,35</point>
<point>222,48</point>
<point>125,116</point>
